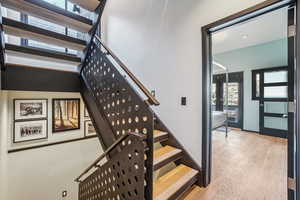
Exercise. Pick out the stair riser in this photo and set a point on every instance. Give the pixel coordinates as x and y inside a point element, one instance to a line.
<point>165,162</point>
<point>161,138</point>
<point>183,189</point>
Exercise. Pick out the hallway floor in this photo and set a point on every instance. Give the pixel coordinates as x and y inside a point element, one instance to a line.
<point>247,166</point>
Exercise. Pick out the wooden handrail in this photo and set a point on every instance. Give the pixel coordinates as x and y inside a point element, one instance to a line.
<point>113,146</point>
<point>151,99</point>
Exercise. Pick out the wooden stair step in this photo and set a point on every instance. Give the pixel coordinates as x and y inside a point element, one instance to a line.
<point>50,12</point>
<point>23,30</point>
<point>174,183</point>
<point>165,155</point>
<point>42,52</point>
<point>90,5</point>
<point>160,136</point>
<point>194,193</point>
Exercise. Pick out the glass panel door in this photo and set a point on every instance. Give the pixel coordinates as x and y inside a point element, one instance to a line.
<point>274,103</point>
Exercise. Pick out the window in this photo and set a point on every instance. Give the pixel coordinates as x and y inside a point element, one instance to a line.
<point>64,4</point>
<point>256,85</point>
<point>233,94</point>
<point>270,83</point>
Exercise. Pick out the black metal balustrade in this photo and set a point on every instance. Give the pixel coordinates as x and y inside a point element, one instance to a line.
<point>121,176</point>
<point>124,110</point>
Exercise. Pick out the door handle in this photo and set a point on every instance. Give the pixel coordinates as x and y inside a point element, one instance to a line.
<point>284,116</point>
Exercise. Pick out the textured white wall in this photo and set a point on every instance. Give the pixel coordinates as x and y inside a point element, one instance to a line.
<point>161,43</point>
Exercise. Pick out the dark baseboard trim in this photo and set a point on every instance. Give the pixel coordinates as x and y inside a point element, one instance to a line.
<point>49,144</point>
<point>250,131</point>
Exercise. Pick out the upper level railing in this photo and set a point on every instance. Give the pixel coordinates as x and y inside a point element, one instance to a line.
<point>120,177</point>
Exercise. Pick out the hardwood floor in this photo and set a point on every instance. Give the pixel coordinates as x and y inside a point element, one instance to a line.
<point>247,166</point>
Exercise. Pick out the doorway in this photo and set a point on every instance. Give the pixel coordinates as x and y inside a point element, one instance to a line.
<point>234,107</point>
<point>267,108</point>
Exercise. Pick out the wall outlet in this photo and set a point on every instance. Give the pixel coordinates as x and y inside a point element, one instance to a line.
<point>64,193</point>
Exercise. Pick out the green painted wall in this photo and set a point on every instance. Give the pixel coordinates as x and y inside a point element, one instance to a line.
<point>271,54</point>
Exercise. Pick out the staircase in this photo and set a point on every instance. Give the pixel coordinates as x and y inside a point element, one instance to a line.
<point>142,159</point>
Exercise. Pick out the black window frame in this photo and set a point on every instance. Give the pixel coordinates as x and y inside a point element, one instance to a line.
<point>262,84</point>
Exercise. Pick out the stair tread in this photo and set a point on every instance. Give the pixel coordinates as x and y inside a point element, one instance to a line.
<point>159,135</point>
<point>90,5</point>
<point>23,30</point>
<point>42,52</point>
<point>50,12</point>
<point>164,153</point>
<point>172,182</point>
<point>193,193</point>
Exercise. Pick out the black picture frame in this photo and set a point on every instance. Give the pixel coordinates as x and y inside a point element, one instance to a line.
<point>30,140</point>
<point>85,128</point>
<point>29,119</point>
<point>54,130</point>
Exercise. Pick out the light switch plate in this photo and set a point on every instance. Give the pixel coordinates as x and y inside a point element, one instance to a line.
<point>183,101</point>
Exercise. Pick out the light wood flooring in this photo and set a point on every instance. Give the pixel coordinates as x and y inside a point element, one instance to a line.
<point>246,166</point>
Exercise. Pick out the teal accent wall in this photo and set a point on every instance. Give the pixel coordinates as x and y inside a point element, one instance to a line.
<point>271,54</point>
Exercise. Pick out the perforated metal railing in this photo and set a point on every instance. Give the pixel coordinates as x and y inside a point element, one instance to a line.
<point>120,177</point>
<point>124,109</point>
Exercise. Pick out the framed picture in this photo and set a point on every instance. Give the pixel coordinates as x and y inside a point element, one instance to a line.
<point>30,130</point>
<point>30,109</point>
<point>86,113</point>
<point>65,114</point>
<point>89,129</point>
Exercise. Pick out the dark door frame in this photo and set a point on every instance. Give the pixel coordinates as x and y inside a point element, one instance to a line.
<point>244,15</point>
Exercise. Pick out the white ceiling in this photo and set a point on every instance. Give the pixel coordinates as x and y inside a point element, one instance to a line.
<point>266,28</point>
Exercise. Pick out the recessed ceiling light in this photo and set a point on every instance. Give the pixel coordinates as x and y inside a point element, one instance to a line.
<point>245,36</point>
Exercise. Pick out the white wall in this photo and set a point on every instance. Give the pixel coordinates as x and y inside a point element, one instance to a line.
<point>42,173</point>
<point>271,54</point>
<point>3,143</point>
<point>161,43</point>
